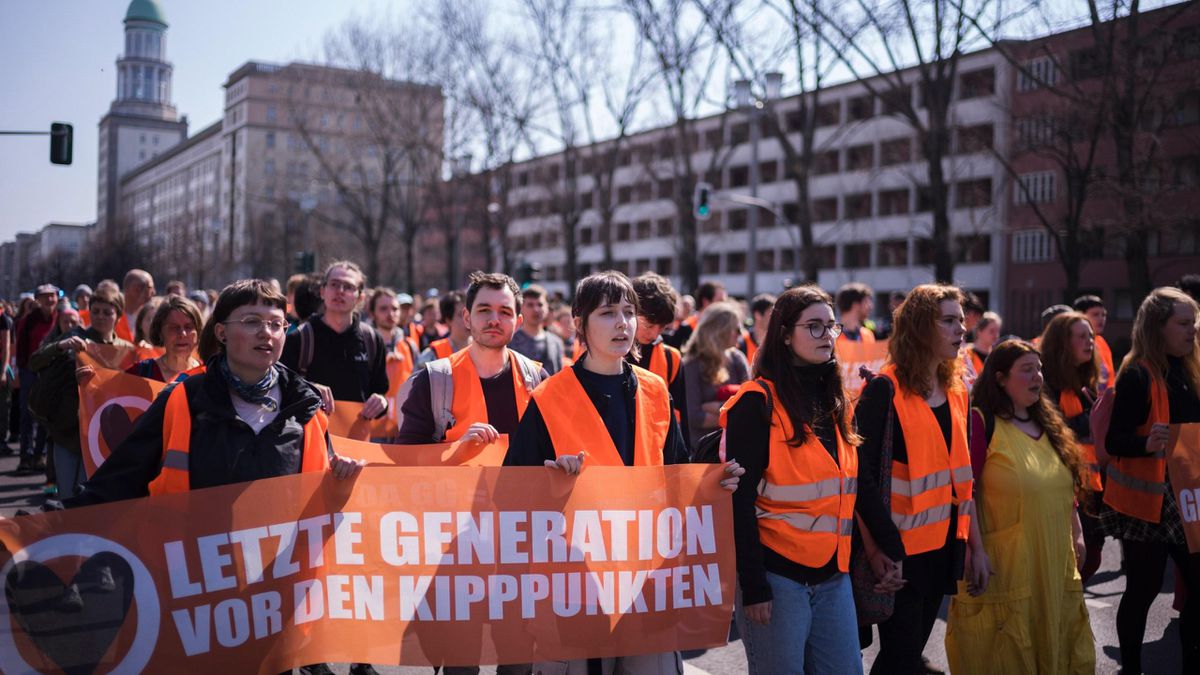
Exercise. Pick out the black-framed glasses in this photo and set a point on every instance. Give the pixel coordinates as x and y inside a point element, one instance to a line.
<point>818,329</point>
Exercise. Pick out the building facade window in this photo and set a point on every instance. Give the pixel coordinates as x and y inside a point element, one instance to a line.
<point>1031,246</point>
<point>1035,188</point>
<point>1037,73</point>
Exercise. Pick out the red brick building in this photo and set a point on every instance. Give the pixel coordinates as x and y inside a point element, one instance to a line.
<point>1064,162</point>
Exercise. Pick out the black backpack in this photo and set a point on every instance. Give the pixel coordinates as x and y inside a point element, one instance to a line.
<point>710,449</point>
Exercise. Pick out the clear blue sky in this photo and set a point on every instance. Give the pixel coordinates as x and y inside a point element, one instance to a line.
<point>57,63</point>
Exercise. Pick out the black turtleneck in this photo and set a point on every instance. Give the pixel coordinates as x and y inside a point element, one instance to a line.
<point>748,441</point>
<point>1131,408</point>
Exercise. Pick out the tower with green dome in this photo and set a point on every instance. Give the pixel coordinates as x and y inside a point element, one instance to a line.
<point>142,121</point>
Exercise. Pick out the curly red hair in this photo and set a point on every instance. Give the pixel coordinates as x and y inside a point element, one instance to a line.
<point>912,343</point>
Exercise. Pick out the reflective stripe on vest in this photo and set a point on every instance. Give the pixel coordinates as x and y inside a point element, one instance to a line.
<point>174,476</point>
<point>1071,406</point>
<point>1136,484</point>
<point>468,405</point>
<point>805,503</point>
<point>935,477</point>
<point>575,424</point>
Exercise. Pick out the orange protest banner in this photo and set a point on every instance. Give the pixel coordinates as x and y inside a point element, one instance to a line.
<point>112,356</point>
<point>1183,466</point>
<point>110,402</point>
<point>434,454</point>
<point>346,420</point>
<point>417,566</point>
<point>854,355</point>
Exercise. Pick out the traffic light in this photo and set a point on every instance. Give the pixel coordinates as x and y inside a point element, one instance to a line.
<point>306,262</point>
<point>61,142</point>
<point>530,272</point>
<point>700,201</point>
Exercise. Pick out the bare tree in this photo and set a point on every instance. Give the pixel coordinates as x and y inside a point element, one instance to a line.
<point>498,88</point>
<point>753,54</point>
<point>875,40</point>
<point>685,61</point>
<point>375,164</point>
<point>591,93</point>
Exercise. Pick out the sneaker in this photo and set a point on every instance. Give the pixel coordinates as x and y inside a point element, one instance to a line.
<point>363,669</point>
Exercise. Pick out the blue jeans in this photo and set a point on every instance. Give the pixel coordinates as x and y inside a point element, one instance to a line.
<point>33,436</point>
<point>813,630</point>
<point>68,471</point>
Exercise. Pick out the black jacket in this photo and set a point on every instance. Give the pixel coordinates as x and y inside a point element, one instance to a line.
<point>55,365</point>
<point>224,449</point>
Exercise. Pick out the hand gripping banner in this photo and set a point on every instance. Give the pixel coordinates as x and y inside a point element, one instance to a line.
<point>414,565</point>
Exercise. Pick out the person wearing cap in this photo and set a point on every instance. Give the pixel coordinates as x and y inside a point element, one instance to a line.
<point>406,320</point>
<point>82,298</point>
<point>31,330</point>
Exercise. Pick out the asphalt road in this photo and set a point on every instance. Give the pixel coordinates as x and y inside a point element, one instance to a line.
<point>1103,593</point>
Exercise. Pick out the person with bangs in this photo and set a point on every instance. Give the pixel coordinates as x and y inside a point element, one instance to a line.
<point>657,301</point>
<point>915,413</point>
<point>1031,473</point>
<point>713,367</point>
<point>1158,385</point>
<point>794,508</point>
<point>604,411</point>
<point>260,420</point>
<point>1093,308</point>
<point>1071,365</point>
<point>175,329</point>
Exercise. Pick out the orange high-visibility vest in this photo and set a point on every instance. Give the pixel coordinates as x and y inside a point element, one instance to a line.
<point>661,365</point>
<point>805,503</point>
<point>935,477</point>
<point>575,424</point>
<point>468,405</point>
<point>85,318</point>
<point>1136,484</point>
<point>976,361</point>
<point>442,348</point>
<point>122,328</point>
<point>1108,374</point>
<point>751,345</point>
<point>865,336</point>
<point>1071,406</point>
<point>177,444</point>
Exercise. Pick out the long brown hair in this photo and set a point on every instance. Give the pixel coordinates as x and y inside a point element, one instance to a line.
<point>777,362</point>
<point>989,396</point>
<point>1152,316</point>
<point>911,346</point>
<point>1058,356</point>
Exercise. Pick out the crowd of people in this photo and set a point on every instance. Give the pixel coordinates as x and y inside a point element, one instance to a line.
<point>974,464</point>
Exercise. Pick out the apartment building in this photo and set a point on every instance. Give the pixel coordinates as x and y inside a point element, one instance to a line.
<point>871,217</point>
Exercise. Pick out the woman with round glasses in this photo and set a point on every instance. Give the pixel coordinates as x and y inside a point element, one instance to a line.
<point>794,512</point>
<point>915,411</point>
<point>260,420</point>
<point>176,330</point>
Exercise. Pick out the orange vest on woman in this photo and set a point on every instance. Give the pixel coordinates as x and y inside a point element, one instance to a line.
<point>177,445</point>
<point>805,502</point>
<point>935,477</point>
<point>1071,406</point>
<point>575,424</point>
<point>1136,484</point>
<point>467,406</point>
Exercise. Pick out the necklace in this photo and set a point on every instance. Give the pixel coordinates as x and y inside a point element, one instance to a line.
<point>1022,419</point>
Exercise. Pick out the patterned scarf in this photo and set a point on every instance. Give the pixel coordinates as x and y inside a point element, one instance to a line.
<point>253,393</point>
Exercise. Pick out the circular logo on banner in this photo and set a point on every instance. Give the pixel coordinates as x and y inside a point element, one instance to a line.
<point>109,422</point>
<point>75,623</point>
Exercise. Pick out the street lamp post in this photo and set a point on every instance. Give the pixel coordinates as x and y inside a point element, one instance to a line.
<point>754,108</point>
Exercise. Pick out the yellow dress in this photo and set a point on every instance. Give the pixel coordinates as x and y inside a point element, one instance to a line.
<point>1032,618</point>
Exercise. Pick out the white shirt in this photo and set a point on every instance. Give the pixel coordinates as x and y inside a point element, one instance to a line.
<point>257,415</point>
